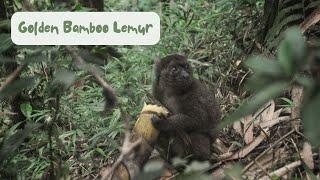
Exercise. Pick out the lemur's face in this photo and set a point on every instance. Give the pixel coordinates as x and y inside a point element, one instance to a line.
<point>177,72</point>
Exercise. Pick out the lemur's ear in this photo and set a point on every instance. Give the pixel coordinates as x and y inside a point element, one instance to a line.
<point>157,61</point>
<point>182,54</point>
<point>157,64</point>
<point>157,68</point>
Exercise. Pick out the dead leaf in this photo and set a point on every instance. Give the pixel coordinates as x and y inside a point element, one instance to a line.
<point>219,145</point>
<point>312,19</point>
<point>248,129</point>
<point>248,148</point>
<point>7,113</point>
<point>266,162</point>
<point>296,96</point>
<point>267,114</point>
<point>306,155</point>
<point>270,158</point>
<point>225,156</point>
<point>219,173</point>
<point>167,174</point>
<point>308,177</point>
<point>237,127</point>
<point>238,62</point>
<point>232,148</point>
<point>277,113</point>
<point>271,123</point>
<point>284,170</point>
<point>105,171</point>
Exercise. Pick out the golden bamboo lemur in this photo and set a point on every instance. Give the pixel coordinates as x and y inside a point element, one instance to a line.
<point>194,111</point>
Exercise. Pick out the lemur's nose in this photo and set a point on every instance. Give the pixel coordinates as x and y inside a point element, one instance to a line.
<point>184,74</point>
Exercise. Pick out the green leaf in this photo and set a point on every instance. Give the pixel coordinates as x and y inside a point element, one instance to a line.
<point>66,134</point>
<point>63,79</point>
<point>26,109</point>
<point>35,57</point>
<point>197,166</point>
<point>153,166</point>
<point>237,144</point>
<point>310,119</point>
<point>258,82</point>
<point>192,176</point>
<point>178,161</point>
<point>12,142</point>
<point>101,152</point>
<point>292,51</point>
<point>289,102</point>
<point>266,71</point>
<point>304,81</point>
<point>90,57</point>
<point>152,170</point>
<point>6,42</point>
<point>5,24</point>
<point>80,8</point>
<point>5,59</point>
<point>252,104</point>
<point>263,65</point>
<point>234,172</point>
<point>17,86</point>
<point>91,68</point>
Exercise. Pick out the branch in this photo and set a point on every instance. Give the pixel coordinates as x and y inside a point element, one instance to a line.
<point>264,152</point>
<point>80,61</point>
<point>284,170</point>
<point>108,91</point>
<point>7,113</point>
<point>13,76</point>
<point>126,149</point>
<point>313,19</point>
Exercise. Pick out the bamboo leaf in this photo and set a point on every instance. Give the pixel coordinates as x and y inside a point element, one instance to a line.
<point>263,65</point>
<point>17,86</point>
<point>6,42</point>
<point>310,119</point>
<point>292,51</point>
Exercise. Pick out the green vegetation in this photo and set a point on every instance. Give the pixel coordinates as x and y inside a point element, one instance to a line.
<point>64,126</point>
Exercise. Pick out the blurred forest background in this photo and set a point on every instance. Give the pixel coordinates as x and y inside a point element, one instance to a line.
<point>258,57</point>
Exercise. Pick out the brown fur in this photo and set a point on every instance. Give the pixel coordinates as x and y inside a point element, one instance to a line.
<point>195,114</point>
